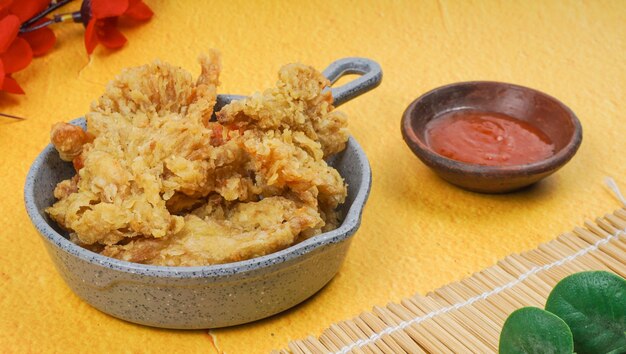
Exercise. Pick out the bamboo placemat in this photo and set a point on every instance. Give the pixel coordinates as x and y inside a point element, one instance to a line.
<point>467,316</point>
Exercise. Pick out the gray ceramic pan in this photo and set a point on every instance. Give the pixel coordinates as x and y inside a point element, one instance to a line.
<point>217,295</point>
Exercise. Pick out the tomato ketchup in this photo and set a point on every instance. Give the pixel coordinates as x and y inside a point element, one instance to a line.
<point>487,138</point>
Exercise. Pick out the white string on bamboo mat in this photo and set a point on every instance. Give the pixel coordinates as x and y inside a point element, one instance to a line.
<point>404,324</point>
<point>610,182</point>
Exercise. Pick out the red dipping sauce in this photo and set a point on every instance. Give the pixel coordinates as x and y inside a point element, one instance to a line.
<point>487,138</point>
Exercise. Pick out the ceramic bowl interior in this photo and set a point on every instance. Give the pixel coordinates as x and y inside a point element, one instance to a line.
<point>548,114</point>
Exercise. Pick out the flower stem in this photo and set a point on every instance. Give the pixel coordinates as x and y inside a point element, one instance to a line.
<point>10,116</point>
<point>50,8</point>
<point>74,16</point>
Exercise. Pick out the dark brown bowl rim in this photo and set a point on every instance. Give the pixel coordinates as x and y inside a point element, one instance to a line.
<point>420,149</point>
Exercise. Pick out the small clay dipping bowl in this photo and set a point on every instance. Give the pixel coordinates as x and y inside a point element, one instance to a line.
<point>542,111</point>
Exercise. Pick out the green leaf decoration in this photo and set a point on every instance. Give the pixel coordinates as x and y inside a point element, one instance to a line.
<point>593,304</point>
<point>533,330</point>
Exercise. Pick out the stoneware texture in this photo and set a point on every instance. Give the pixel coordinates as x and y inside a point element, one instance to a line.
<point>209,296</point>
<point>548,114</point>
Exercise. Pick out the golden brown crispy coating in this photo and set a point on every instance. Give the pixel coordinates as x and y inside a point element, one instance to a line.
<point>256,178</point>
<point>160,89</point>
<point>228,234</point>
<point>69,140</point>
<point>280,163</point>
<point>298,103</point>
<point>151,142</point>
<point>66,187</point>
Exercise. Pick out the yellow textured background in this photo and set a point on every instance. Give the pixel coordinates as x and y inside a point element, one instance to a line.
<point>418,232</point>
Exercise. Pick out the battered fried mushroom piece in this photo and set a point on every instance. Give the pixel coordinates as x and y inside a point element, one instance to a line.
<point>224,234</point>
<point>69,140</point>
<point>160,89</point>
<point>151,143</point>
<point>162,184</point>
<point>287,131</point>
<point>66,187</point>
<point>297,103</point>
<point>282,166</point>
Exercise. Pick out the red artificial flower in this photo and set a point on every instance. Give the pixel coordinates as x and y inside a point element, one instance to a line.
<point>4,7</point>
<point>26,9</point>
<point>102,26</point>
<point>17,49</point>
<point>15,53</point>
<point>21,39</point>
<point>42,40</point>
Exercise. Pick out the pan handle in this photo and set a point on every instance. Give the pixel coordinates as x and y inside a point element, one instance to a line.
<point>371,77</point>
